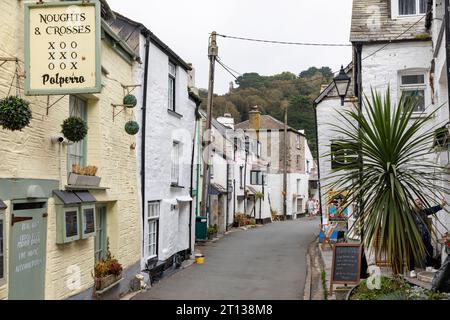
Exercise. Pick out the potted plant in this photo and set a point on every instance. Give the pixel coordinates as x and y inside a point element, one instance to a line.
<point>15,113</point>
<point>84,176</point>
<point>74,129</point>
<point>107,272</point>
<point>132,127</point>
<point>210,233</point>
<point>130,101</point>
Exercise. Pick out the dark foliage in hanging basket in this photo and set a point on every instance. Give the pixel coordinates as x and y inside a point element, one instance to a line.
<point>132,127</point>
<point>130,101</point>
<point>15,113</point>
<point>74,129</point>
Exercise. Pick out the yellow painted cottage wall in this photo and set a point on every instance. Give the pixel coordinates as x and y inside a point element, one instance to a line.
<point>30,154</point>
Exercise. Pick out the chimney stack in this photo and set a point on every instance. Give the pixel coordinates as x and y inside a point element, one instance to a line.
<point>255,118</point>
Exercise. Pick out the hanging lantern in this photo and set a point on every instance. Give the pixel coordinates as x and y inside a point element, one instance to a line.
<point>132,127</point>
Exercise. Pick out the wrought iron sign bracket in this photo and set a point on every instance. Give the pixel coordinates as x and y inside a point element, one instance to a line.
<point>117,106</point>
<point>51,105</point>
<point>4,60</point>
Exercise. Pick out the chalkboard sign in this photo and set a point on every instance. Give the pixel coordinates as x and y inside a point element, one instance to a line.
<point>346,266</point>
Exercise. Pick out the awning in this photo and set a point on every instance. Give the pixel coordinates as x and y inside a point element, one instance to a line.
<point>251,190</point>
<point>217,189</point>
<point>184,199</point>
<point>69,198</point>
<point>2,205</point>
<point>173,202</point>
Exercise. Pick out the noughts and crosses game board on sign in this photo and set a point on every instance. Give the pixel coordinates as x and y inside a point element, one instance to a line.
<point>62,48</point>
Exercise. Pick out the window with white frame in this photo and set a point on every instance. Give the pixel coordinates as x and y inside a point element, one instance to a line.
<point>175,172</point>
<point>405,8</point>
<point>76,152</point>
<point>2,245</point>
<point>152,229</point>
<point>172,85</point>
<point>413,87</point>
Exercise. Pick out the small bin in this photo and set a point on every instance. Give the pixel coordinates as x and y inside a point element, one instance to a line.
<point>199,259</point>
<point>201,229</point>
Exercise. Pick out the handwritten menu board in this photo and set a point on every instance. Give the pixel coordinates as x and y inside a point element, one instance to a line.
<point>346,266</point>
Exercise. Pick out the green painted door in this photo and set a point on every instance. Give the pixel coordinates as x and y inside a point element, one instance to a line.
<point>27,251</point>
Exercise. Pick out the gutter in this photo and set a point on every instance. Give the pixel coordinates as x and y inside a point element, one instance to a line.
<point>143,134</point>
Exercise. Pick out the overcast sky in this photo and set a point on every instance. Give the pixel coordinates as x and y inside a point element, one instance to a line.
<point>185,26</point>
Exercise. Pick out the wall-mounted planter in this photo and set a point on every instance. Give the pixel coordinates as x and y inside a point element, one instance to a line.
<point>79,180</point>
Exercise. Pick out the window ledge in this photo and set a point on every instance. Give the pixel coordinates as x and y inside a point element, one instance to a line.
<point>174,113</point>
<point>176,186</point>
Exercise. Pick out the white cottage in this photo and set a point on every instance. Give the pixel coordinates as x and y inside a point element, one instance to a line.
<point>165,147</point>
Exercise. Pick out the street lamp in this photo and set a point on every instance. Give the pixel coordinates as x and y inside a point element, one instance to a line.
<point>342,83</point>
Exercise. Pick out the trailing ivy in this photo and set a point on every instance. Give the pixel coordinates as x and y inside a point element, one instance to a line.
<point>74,129</point>
<point>15,113</point>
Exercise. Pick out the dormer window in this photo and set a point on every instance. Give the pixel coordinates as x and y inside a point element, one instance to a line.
<point>407,8</point>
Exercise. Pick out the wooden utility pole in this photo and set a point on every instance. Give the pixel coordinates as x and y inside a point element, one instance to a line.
<point>285,153</point>
<point>213,51</point>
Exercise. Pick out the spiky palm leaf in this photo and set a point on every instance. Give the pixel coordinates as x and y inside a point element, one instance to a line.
<point>393,146</point>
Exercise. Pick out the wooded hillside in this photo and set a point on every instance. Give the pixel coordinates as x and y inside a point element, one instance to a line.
<point>269,92</point>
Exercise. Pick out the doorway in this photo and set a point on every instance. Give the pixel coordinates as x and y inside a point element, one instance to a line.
<point>27,247</point>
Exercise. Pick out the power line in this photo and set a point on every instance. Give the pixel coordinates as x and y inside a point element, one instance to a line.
<point>226,69</point>
<point>237,72</point>
<point>396,38</point>
<point>286,42</point>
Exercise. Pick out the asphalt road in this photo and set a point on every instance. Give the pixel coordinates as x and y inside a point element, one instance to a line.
<point>266,263</point>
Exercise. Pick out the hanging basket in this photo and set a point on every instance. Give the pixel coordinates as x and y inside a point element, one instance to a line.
<point>15,113</point>
<point>74,129</point>
<point>130,101</point>
<point>132,127</point>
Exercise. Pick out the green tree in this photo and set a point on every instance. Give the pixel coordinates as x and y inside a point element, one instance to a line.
<point>393,146</point>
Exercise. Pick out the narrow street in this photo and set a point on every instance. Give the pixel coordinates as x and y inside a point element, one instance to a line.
<point>267,263</point>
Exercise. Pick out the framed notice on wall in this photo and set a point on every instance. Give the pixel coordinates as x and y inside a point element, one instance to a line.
<point>62,48</point>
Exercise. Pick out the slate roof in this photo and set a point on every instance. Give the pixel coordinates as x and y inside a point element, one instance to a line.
<point>129,31</point>
<point>366,13</point>
<point>267,123</point>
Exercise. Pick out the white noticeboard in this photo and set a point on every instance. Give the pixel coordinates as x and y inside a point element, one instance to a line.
<point>62,48</point>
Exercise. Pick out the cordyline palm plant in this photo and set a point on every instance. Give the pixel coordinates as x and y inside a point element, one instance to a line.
<point>383,150</point>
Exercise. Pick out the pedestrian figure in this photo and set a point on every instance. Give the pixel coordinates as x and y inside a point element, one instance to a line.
<point>420,217</point>
<point>310,207</point>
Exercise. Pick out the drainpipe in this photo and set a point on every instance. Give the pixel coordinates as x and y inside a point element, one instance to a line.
<point>318,165</point>
<point>227,198</point>
<point>192,179</point>
<point>447,45</point>
<point>143,133</point>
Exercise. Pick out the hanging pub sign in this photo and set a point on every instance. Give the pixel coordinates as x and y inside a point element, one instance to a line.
<point>62,48</point>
